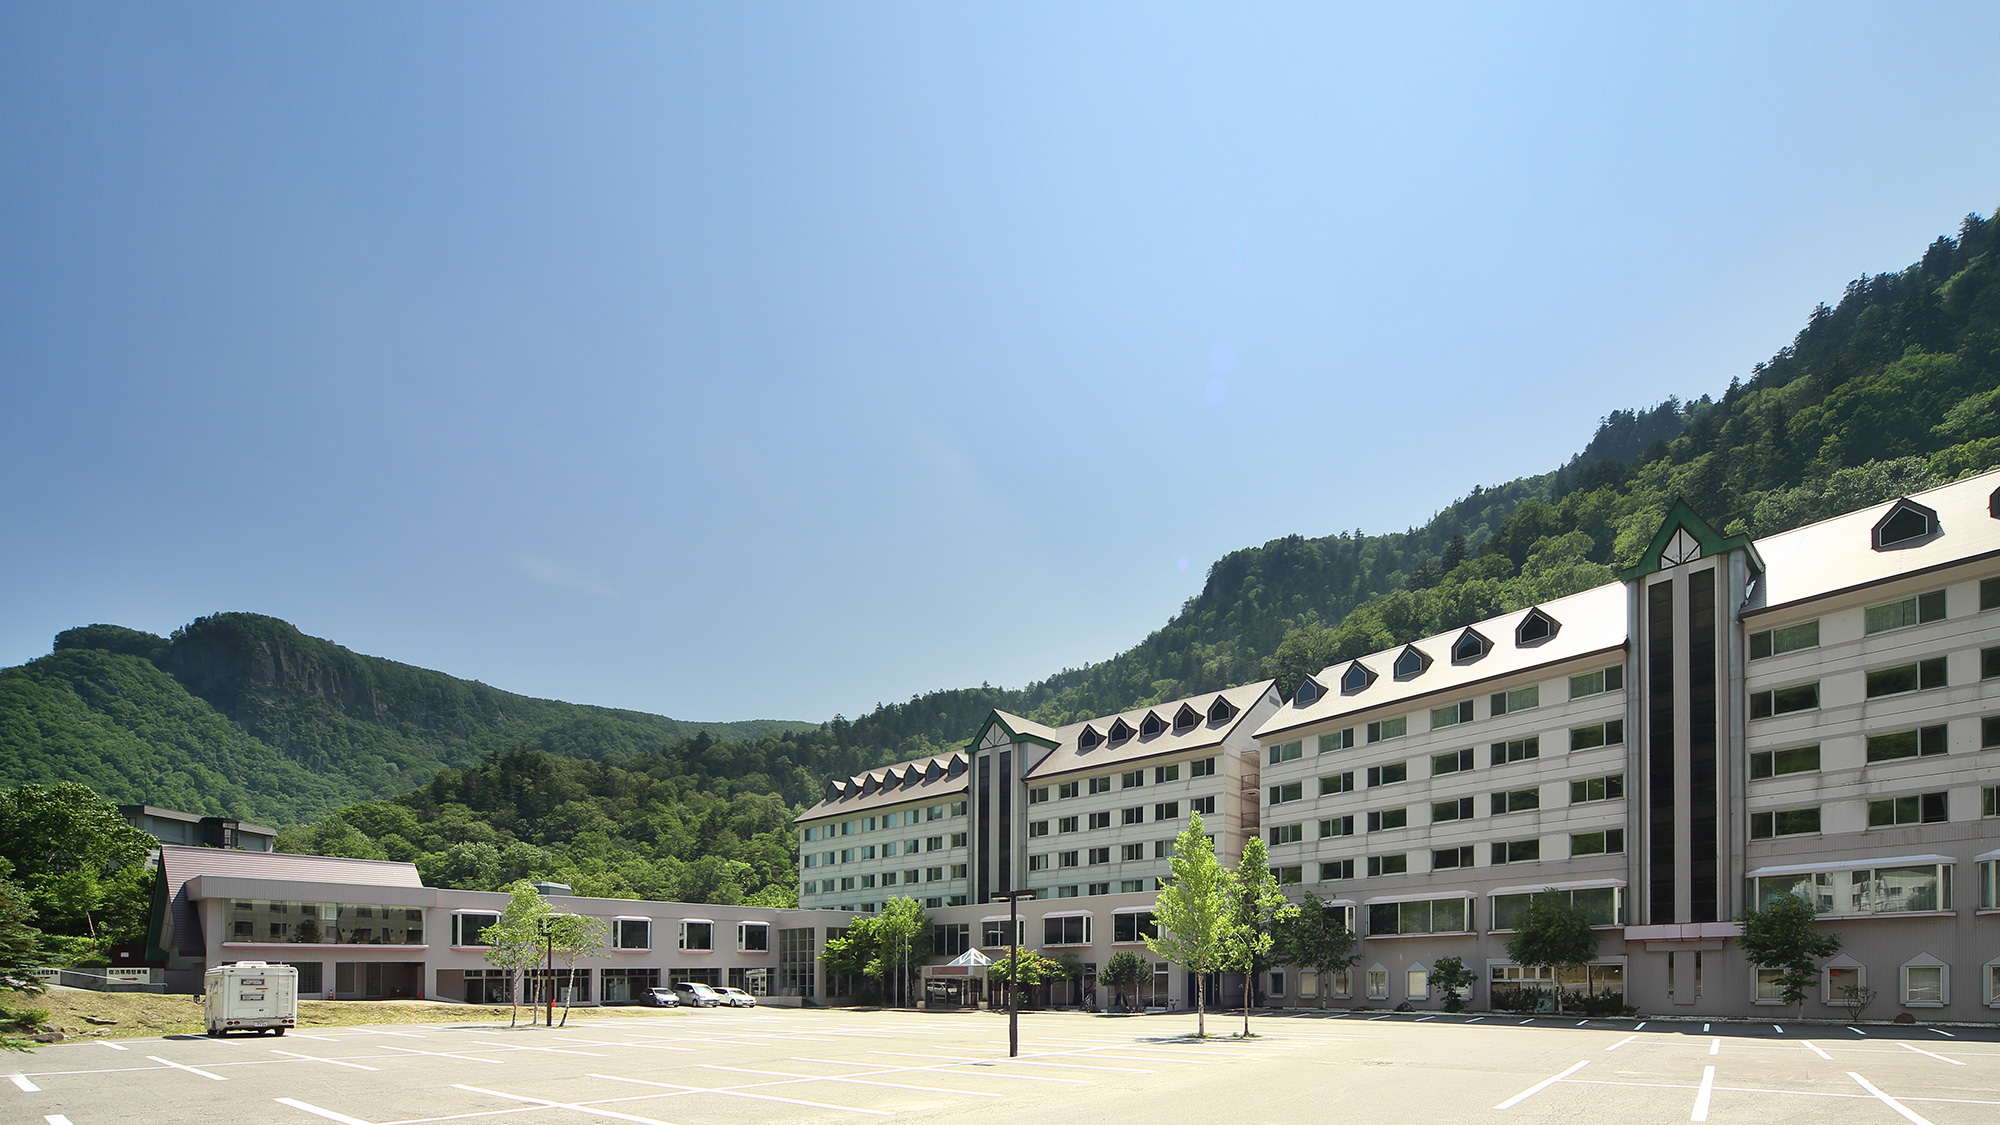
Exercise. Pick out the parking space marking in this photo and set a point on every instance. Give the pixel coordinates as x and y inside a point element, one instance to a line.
<point>1538,1087</point>
<point>885,1068</point>
<point>318,1112</point>
<point>26,1086</point>
<point>1932,1054</point>
<point>1715,1045</point>
<point>742,1092</point>
<point>113,1046</point>
<point>55,1119</point>
<point>329,1062</point>
<point>1701,1097</point>
<point>1859,1032</point>
<point>189,1069</point>
<point>579,1107</point>
<point>1621,1042</point>
<point>1941,1031</point>
<point>838,1078</point>
<point>1815,1050</point>
<point>440,1054</point>
<point>530,1047</point>
<point>1892,1103</point>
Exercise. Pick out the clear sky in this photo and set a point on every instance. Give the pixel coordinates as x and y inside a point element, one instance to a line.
<point>738,360</point>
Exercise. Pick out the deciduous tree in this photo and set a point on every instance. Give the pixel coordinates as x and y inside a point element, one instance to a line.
<point>1553,932</point>
<point>1193,912</point>
<point>1782,936</point>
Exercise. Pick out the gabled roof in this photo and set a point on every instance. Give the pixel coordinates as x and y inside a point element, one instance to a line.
<point>918,779</point>
<point>180,863</point>
<point>1683,537</point>
<point>1839,553</point>
<point>1066,757</point>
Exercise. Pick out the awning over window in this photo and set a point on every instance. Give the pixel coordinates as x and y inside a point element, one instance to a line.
<point>1386,899</point>
<point>1067,914</point>
<point>1855,864</point>
<point>1536,888</point>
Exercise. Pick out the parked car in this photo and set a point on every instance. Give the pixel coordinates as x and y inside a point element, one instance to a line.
<point>657,998</point>
<point>694,994</point>
<point>736,997</point>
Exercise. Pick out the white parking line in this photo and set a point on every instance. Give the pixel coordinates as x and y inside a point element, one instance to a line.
<point>1892,1103</point>
<point>1538,1087</point>
<point>1641,1027</point>
<point>56,1119</point>
<point>550,1050</point>
<point>1932,1054</point>
<point>441,1054</point>
<point>1859,1032</point>
<point>839,1078</point>
<point>1621,1042</point>
<point>1810,1046</point>
<point>110,1044</point>
<point>740,1093</point>
<point>189,1069</point>
<point>885,1068</point>
<point>577,1106</point>
<point>602,1043</point>
<point>1701,1098</point>
<point>26,1086</point>
<point>1941,1031</point>
<point>1475,1019</point>
<point>318,1112</point>
<point>329,1062</point>
<point>1715,1045</point>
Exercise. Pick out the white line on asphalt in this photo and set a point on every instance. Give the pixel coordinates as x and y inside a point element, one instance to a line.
<point>1933,1054</point>
<point>737,1092</point>
<point>1715,1045</point>
<point>1810,1046</point>
<point>1077,1066</point>
<point>1580,1023</point>
<point>550,1050</point>
<point>1372,1019</point>
<point>113,1046</point>
<point>318,1112</point>
<point>189,1069</point>
<point>1641,1027</point>
<point>547,1104</point>
<point>1621,1042</point>
<point>888,1069</point>
<point>1858,1031</point>
<point>321,1038</point>
<point>1946,1034</point>
<point>1701,1097</point>
<point>26,1086</point>
<point>329,1062</point>
<point>602,1043</point>
<point>441,1054</point>
<point>379,1031</point>
<point>796,1077</point>
<point>1538,1087</point>
<point>1475,1019</point>
<point>1427,1019</point>
<point>56,1119</point>
<point>1524,1021</point>
<point>1892,1103</point>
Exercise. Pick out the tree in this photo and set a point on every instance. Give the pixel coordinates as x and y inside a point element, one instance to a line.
<point>850,954</point>
<point>568,937</point>
<point>1552,932</point>
<point>1126,969</point>
<point>1451,975</point>
<point>1193,913</point>
<point>1317,939</point>
<point>515,943</point>
<point>81,864</point>
<point>1781,936</point>
<point>1258,907</point>
<point>1033,968</point>
<point>901,935</point>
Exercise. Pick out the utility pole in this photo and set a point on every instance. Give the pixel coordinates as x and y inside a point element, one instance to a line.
<point>1014,968</point>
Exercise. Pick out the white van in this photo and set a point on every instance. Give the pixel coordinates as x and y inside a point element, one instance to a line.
<point>250,995</point>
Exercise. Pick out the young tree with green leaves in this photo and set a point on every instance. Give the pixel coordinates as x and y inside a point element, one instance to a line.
<point>901,934</point>
<point>1194,914</point>
<point>515,944</point>
<point>1030,969</point>
<point>1317,939</point>
<point>1258,907</point>
<point>1553,932</point>
<point>1782,936</point>
<point>1126,969</point>
<point>82,866</point>
<point>568,937</point>
<point>1451,975</point>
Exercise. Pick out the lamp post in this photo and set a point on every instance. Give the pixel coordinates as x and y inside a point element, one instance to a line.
<point>1014,968</point>
<point>549,980</point>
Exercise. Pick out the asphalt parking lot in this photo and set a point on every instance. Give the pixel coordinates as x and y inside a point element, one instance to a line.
<point>768,1065</point>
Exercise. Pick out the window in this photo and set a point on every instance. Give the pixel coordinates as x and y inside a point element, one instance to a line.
<point>1923,984</point>
<point>1133,927</point>
<point>1356,678</point>
<point>1202,767</point>
<point>1518,750</point>
<point>1152,726</point>
<point>1517,800</point>
<point>1602,905</point>
<point>1865,891</point>
<point>933,874</point>
<point>1389,728</point>
<point>1919,610</point>
<point>1100,855</point>
<point>1425,916</point>
<point>1336,869</point>
<point>1784,822</point>
<point>1038,862</point>
<point>1535,628</point>
<point>847,855</point>
<point>1131,851</point>
<point>958,839</point>
<point>1203,805</point>
<point>1451,714</point>
<point>1442,811</point>
<point>958,808</point>
<point>1287,833</point>
<point>1186,719</point>
<point>1913,808</point>
<point>1380,865</point>
<point>753,937</point>
<point>1336,783</point>
<point>1038,828</point>
<point>1220,711</point>
<point>1516,851</point>
<point>1598,682</point>
<point>1608,788</point>
<point>1100,784</point>
<point>466,928</point>
<point>631,933</point>
<point>1336,826</point>
<point>1038,795</point>
<point>1417,984</point>
<point>958,872</point>
<point>1066,790</point>
<point>1610,841</point>
<point>1410,663</point>
<point>1469,646</point>
<point>1989,663</point>
<point>1989,593</point>
<point>1378,984</point>
<point>1990,801</point>
<point>1923,742</point>
<point>1286,752</point>
<point>1164,774</point>
<point>1901,679</point>
<point>1163,849</point>
<point>1784,639</point>
<point>1290,876</point>
<point>1308,693</point>
<point>867,881</point>
<point>1446,858</point>
<point>1131,779</point>
<point>1131,886</point>
<point>1167,810</point>
<point>1088,739</point>
<point>1100,820</point>
<point>1337,740</point>
<point>1073,930</point>
<point>1287,793</point>
<point>1770,986</point>
<point>1120,731</point>
<point>1609,733</point>
<point>1906,522</point>
<point>1134,815</point>
<point>1066,824</point>
<point>1451,761</point>
<point>701,935</point>
<point>1784,700</point>
<point>994,933</point>
<point>1388,820</point>
<point>1067,859</point>
<point>868,852</point>
<point>1278,980</point>
<point>1395,773</point>
<point>1779,763</point>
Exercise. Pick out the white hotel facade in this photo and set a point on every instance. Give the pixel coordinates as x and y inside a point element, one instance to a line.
<point>1814,713</point>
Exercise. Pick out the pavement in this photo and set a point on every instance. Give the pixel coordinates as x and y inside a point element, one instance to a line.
<point>727,1066</point>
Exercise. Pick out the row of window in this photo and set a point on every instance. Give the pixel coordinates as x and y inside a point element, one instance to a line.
<point>1918,609</point>
<point>1152,726</point>
<point>882,821</point>
<point>1162,849</point>
<point>1887,746</point>
<point>1879,683</point>
<point>1129,779</point>
<point>911,877</point>
<point>1608,841</point>
<point>1135,814</point>
<point>468,928</point>
<point>1585,790</point>
<point>886,851</point>
<point>1471,646</point>
<point>1899,811</point>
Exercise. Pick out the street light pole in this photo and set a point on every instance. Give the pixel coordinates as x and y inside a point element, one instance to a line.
<point>1014,968</point>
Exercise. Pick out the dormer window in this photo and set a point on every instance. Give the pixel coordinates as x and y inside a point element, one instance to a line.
<point>1120,731</point>
<point>1220,711</point>
<point>1907,524</point>
<point>1470,646</point>
<point>1535,628</point>
<point>1089,739</point>
<point>1308,693</point>
<point>1186,719</point>
<point>1152,726</point>
<point>1356,678</point>
<point>1411,662</point>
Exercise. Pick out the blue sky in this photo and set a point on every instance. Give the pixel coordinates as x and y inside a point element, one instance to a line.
<point>732,361</point>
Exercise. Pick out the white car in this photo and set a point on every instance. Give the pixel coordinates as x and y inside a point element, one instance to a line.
<point>736,997</point>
